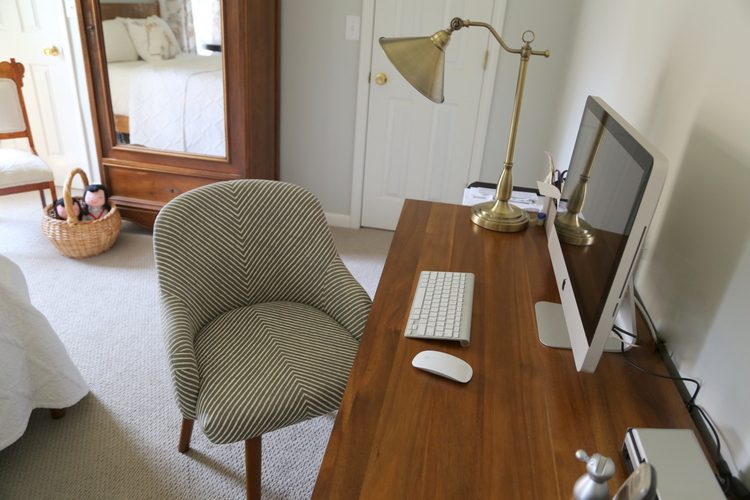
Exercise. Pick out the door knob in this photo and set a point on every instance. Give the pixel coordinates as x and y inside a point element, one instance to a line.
<point>381,78</point>
<point>52,51</point>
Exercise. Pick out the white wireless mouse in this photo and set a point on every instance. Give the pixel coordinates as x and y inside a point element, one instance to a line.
<point>443,364</point>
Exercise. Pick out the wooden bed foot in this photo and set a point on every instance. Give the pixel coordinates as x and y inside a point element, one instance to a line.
<point>57,413</point>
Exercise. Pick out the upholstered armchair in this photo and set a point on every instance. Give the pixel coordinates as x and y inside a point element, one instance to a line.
<point>20,170</point>
<point>261,318</point>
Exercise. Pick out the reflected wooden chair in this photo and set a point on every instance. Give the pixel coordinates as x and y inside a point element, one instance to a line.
<point>261,318</point>
<point>20,170</point>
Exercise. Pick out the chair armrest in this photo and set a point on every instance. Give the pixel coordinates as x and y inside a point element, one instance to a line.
<point>179,332</point>
<point>344,299</point>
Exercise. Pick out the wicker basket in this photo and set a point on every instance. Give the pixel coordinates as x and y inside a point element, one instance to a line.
<point>80,239</point>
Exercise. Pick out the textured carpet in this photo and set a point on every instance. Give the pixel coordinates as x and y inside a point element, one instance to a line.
<point>120,441</point>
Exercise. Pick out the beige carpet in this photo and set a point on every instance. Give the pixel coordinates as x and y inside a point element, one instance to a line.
<point>120,441</point>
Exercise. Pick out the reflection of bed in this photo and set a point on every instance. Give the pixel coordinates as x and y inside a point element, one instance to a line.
<point>171,104</point>
<point>176,104</point>
<point>127,10</point>
<point>119,88</point>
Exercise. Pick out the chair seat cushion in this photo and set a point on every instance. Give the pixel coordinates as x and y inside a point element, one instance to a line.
<point>19,167</point>
<point>267,366</point>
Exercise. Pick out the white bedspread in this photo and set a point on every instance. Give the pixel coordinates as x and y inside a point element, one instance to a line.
<point>120,74</point>
<point>35,370</point>
<point>178,105</point>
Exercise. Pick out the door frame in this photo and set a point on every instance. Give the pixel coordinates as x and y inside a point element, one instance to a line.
<point>363,100</point>
<point>74,69</point>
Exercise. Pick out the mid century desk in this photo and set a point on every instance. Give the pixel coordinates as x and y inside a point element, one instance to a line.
<point>513,430</point>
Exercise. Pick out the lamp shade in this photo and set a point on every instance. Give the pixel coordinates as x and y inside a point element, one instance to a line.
<point>421,61</point>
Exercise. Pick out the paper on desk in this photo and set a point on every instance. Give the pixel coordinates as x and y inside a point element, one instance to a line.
<point>521,199</point>
<point>549,190</point>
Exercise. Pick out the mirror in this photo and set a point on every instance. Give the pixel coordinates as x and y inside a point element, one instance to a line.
<point>166,77</point>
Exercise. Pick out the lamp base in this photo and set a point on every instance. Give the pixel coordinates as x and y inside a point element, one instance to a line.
<point>575,231</point>
<point>499,216</point>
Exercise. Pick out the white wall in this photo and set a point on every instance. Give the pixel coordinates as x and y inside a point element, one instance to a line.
<point>677,70</point>
<point>318,99</point>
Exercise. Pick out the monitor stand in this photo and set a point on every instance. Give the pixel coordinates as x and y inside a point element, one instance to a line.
<point>553,332</point>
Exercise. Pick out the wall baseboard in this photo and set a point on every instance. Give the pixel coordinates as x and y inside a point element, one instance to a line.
<point>339,220</point>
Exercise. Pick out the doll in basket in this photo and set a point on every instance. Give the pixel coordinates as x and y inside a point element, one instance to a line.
<point>62,214</point>
<point>95,198</point>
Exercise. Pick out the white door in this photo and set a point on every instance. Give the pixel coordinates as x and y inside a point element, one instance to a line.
<point>27,27</point>
<point>416,148</point>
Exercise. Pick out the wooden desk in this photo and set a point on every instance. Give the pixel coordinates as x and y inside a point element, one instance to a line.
<point>513,430</point>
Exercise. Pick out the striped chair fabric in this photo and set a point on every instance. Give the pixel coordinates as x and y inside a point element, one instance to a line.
<point>261,318</point>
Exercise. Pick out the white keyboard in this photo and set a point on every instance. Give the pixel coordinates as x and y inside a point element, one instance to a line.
<point>441,308</point>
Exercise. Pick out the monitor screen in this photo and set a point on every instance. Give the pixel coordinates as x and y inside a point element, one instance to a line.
<point>594,234</point>
<point>618,169</point>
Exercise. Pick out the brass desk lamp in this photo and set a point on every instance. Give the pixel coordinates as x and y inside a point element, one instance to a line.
<point>421,60</point>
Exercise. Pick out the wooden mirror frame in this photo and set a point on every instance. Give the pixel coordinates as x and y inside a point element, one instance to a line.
<point>141,180</point>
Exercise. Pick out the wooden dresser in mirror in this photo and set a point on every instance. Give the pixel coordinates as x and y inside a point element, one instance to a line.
<point>181,98</point>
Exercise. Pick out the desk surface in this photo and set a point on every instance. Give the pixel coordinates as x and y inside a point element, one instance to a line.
<point>513,430</point>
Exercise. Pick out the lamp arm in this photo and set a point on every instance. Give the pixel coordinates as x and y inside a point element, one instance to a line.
<point>499,215</point>
<point>457,23</point>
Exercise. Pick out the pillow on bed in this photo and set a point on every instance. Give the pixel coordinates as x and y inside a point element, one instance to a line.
<point>152,38</point>
<point>117,43</point>
<point>170,34</point>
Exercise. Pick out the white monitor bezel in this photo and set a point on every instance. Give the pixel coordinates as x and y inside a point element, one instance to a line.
<point>587,355</point>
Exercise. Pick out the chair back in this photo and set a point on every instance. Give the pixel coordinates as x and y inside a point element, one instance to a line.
<point>14,121</point>
<point>237,243</point>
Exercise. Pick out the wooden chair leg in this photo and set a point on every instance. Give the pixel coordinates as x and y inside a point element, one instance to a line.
<point>253,452</point>
<point>185,433</point>
<point>52,191</point>
<point>57,413</point>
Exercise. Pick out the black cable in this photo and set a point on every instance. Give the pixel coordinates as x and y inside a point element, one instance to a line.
<point>639,303</point>
<point>617,329</point>
<point>724,474</point>
<point>728,482</point>
<point>711,427</point>
<point>691,403</point>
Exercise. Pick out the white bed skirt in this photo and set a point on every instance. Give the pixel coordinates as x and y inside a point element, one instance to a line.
<point>35,369</point>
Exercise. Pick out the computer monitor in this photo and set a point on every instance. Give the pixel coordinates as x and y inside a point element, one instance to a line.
<point>594,235</point>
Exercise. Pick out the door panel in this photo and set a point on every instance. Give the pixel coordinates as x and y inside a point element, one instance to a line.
<point>397,146</point>
<point>416,148</point>
<point>441,149</point>
<point>49,144</point>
